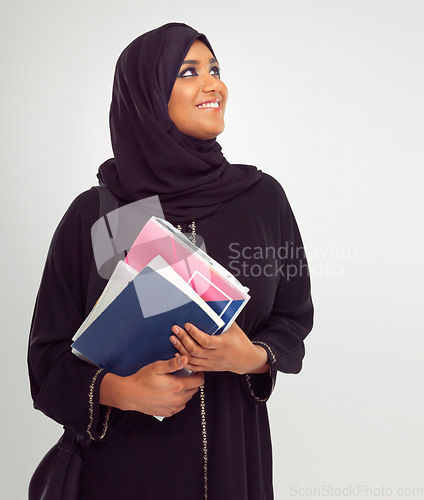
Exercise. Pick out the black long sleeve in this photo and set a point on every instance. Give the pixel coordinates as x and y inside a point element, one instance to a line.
<point>62,386</point>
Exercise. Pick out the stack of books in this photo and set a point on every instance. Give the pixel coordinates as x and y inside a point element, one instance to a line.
<point>164,280</point>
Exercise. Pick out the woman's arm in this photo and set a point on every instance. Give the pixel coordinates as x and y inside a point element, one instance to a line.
<point>64,387</point>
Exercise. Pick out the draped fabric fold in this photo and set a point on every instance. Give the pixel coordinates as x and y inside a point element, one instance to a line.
<point>151,156</point>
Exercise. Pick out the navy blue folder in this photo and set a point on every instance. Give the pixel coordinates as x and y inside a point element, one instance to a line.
<point>134,329</point>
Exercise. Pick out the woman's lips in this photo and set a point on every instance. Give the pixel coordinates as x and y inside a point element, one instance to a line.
<point>210,105</point>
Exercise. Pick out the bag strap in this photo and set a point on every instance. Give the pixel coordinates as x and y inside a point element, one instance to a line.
<point>108,202</point>
<point>66,446</point>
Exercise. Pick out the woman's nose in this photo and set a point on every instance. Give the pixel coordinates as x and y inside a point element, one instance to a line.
<point>211,83</point>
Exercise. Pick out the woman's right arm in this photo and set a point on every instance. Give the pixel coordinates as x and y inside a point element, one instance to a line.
<point>63,386</point>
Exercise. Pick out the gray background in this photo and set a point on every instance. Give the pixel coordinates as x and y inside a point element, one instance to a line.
<point>327,96</point>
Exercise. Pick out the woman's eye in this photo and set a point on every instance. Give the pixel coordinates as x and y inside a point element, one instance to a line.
<point>187,72</point>
<point>216,71</point>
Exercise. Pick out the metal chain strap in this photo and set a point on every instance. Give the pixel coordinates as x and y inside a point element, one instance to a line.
<point>202,399</point>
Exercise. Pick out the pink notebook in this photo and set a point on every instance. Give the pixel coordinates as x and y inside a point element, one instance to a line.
<point>212,282</point>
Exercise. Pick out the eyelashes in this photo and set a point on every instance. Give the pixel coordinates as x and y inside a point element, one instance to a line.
<point>187,72</point>
<point>217,71</point>
<point>191,71</point>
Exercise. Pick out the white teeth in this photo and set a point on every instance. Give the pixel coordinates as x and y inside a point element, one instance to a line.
<point>208,105</point>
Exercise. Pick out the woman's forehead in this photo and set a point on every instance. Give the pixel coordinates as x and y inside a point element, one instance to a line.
<point>198,49</point>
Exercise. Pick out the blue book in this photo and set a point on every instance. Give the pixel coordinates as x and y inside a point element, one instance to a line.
<point>134,329</point>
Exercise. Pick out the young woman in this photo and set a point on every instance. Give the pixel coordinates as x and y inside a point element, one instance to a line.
<point>167,109</point>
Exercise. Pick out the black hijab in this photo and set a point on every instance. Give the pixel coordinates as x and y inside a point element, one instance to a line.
<point>152,157</point>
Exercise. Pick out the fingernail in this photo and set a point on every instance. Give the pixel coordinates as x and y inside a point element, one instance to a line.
<point>179,359</point>
<point>176,330</point>
<point>174,340</point>
<point>187,327</point>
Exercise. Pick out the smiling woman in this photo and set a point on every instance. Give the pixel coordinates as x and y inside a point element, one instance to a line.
<point>199,96</point>
<point>167,109</point>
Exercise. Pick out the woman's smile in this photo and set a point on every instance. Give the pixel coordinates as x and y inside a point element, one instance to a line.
<point>213,105</point>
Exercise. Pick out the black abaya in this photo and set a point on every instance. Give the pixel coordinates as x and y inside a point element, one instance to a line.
<point>255,236</point>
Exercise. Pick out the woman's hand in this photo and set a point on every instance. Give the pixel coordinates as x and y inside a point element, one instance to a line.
<point>231,351</point>
<point>152,390</point>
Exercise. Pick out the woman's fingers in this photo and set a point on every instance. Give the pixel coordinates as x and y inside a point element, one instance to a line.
<point>204,367</point>
<point>192,351</point>
<point>200,337</point>
<point>179,345</point>
<point>197,363</point>
<point>194,337</point>
<point>202,349</point>
<point>182,337</point>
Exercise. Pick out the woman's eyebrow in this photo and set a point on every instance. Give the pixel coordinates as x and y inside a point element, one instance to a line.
<point>194,62</point>
<point>190,61</point>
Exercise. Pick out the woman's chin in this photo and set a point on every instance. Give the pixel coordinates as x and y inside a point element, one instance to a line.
<point>206,133</point>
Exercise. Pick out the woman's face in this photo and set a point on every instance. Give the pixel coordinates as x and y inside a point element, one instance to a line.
<point>198,98</point>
